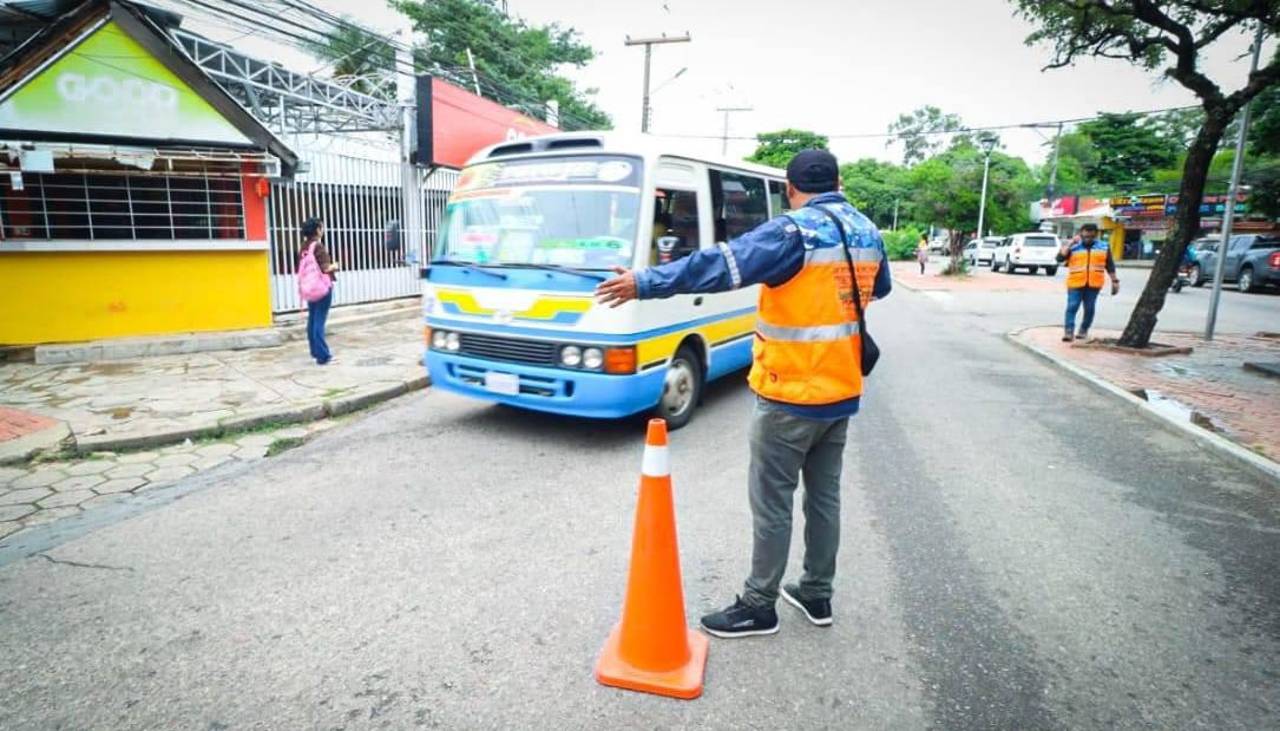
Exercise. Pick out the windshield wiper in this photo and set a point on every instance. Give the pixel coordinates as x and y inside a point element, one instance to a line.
<point>555,268</point>
<point>468,266</point>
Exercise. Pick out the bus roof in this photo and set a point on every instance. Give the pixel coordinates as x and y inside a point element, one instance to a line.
<point>604,142</point>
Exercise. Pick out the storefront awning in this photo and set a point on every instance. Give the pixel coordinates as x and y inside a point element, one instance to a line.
<point>68,157</point>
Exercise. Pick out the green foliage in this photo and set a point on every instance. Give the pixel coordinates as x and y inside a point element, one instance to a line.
<point>875,187</point>
<point>946,191</point>
<point>510,55</point>
<point>776,149</point>
<point>351,52</point>
<point>1264,129</point>
<point>1127,150</point>
<point>918,132</point>
<point>901,245</point>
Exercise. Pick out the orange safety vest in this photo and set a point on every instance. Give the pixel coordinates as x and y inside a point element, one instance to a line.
<point>1086,267</point>
<point>807,350</point>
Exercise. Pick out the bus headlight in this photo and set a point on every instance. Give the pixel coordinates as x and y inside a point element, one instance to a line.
<point>571,356</point>
<point>592,358</point>
<point>452,342</point>
<point>438,339</point>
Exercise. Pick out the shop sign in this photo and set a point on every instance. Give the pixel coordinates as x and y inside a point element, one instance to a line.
<point>109,85</point>
<point>1212,205</point>
<point>454,124</point>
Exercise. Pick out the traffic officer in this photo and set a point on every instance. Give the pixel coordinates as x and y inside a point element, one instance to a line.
<point>806,375</point>
<point>1087,259</point>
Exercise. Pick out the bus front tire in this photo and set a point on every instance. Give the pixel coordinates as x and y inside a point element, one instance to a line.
<point>681,388</point>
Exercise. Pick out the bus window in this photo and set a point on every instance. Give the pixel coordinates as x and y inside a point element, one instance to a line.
<point>675,225</point>
<point>778,197</point>
<point>740,203</point>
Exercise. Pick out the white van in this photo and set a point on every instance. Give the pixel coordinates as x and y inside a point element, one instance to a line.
<point>1030,251</point>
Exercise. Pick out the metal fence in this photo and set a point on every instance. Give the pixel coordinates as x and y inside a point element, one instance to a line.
<point>357,199</point>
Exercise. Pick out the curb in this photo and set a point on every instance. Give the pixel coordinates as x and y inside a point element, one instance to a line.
<point>23,448</point>
<point>1220,446</point>
<point>284,414</point>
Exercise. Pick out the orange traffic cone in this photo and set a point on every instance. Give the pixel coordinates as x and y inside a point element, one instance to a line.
<point>651,649</point>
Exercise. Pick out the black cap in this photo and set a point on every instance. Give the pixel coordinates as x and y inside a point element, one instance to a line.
<point>814,171</point>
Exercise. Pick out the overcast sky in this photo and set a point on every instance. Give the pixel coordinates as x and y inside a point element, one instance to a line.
<point>838,67</point>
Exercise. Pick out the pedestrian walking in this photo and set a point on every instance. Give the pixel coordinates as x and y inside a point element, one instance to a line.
<point>807,374</point>
<point>316,277</point>
<point>922,252</point>
<point>1087,260</point>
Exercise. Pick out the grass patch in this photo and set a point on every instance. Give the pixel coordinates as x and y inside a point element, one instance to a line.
<point>284,445</point>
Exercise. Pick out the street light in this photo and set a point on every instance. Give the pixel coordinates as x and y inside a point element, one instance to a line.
<point>988,143</point>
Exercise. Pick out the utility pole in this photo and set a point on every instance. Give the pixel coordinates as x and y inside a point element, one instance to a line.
<point>987,143</point>
<point>475,78</point>
<point>724,139</point>
<point>895,214</point>
<point>648,44</point>
<point>1053,170</point>
<point>1228,216</point>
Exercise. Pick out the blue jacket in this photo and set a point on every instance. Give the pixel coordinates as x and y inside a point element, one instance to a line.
<point>771,253</point>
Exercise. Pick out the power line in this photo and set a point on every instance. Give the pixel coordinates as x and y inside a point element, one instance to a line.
<point>964,130</point>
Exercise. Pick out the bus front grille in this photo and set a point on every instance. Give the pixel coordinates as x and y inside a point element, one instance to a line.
<point>511,350</point>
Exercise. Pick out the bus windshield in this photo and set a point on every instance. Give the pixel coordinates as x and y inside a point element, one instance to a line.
<point>580,212</point>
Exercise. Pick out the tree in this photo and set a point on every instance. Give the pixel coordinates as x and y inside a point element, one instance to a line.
<point>776,149</point>
<point>876,188</point>
<point>1172,35</point>
<point>357,56</point>
<point>517,63</point>
<point>920,132</point>
<point>1126,151</point>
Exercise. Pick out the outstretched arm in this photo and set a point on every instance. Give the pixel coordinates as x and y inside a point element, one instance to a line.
<point>770,253</point>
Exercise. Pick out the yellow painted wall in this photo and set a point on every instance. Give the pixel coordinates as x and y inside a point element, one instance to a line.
<point>50,297</point>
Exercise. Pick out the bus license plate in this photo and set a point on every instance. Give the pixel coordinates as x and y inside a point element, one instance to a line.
<point>507,384</point>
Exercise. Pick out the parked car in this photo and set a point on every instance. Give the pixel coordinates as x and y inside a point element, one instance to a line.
<point>940,245</point>
<point>981,251</point>
<point>1252,261</point>
<point>1029,251</point>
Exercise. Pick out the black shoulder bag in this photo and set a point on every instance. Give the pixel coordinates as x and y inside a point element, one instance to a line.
<point>870,351</point>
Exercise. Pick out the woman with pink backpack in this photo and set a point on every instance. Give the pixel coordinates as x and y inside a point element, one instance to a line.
<point>315,285</point>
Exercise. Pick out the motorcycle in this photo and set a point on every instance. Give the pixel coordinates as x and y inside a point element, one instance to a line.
<point>1182,280</point>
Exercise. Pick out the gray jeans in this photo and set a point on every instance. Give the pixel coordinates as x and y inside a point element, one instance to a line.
<point>783,447</point>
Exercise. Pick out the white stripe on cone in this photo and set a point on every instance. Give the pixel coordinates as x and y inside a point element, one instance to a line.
<point>656,462</point>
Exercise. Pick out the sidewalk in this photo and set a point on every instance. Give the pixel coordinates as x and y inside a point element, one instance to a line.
<point>156,401</point>
<point>1210,387</point>
<point>979,279</point>
<point>188,412</point>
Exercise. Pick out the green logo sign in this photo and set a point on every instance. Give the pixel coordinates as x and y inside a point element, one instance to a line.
<point>108,84</point>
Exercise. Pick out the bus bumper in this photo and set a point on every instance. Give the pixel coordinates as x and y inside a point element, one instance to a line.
<point>553,390</point>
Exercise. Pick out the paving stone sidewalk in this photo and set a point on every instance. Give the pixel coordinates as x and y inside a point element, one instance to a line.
<point>1241,404</point>
<point>168,395</point>
<point>44,491</point>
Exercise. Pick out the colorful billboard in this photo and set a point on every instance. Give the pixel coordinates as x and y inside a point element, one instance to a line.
<point>454,124</point>
<point>108,85</point>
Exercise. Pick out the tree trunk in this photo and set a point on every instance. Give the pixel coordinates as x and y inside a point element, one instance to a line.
<point>1186,225</point>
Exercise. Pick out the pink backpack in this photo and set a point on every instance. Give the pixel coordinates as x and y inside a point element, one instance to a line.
<point>313,284</point>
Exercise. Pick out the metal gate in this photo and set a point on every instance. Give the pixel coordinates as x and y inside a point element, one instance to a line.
<point>357,199</point>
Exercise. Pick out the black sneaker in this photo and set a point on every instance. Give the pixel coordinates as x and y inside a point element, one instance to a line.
<point>1067,337</point>
<point>817,611</point>
<point>741,620</point>
<point>1082,335</point>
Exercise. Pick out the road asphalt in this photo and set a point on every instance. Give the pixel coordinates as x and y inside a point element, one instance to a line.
<point>1018,552</point>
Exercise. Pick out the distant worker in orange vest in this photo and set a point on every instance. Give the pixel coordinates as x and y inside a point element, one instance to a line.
<point>806,373</point>
<point>1088,259</point>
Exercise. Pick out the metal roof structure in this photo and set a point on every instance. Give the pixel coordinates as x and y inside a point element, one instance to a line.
<point>288,101</point>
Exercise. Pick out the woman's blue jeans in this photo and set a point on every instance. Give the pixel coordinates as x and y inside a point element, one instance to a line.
<point>1075,298</point>
<point>317,315</point>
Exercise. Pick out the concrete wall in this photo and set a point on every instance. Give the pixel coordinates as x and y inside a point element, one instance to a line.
<point>66,296</point>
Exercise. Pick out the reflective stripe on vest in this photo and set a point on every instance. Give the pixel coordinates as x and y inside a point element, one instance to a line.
<point>807,350</point>
<point>807,334</point>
